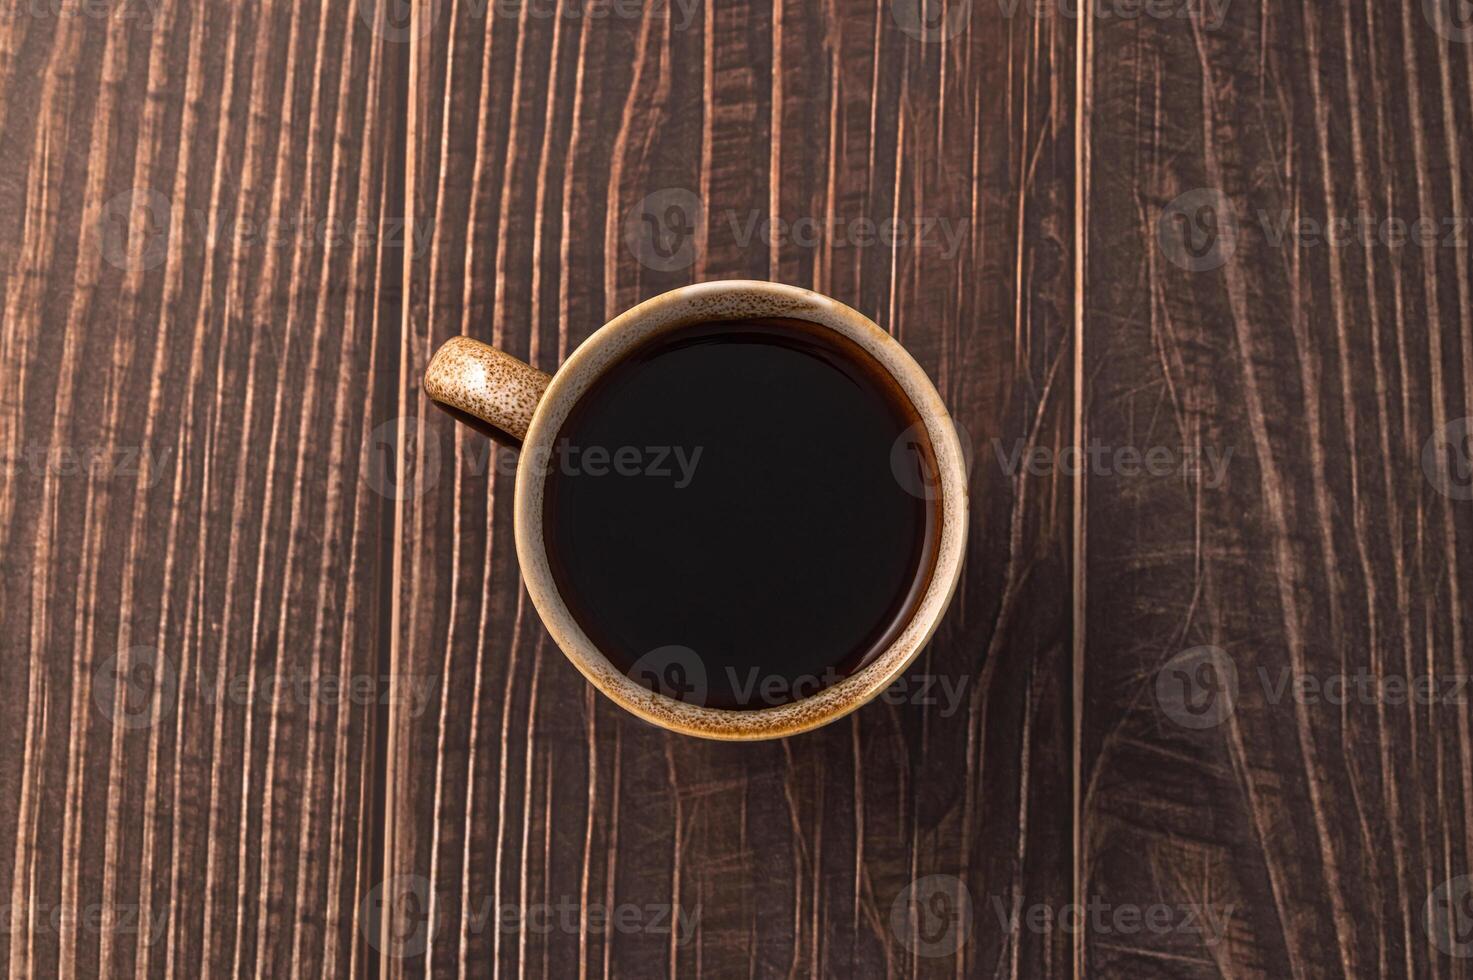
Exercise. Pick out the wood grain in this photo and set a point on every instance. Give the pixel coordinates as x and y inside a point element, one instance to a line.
<point>182,285</point>
<point>1323,361</point>
<point>535,140</point>
<point>233,234</point>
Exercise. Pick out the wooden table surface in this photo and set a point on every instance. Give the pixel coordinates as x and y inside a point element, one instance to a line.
<point>1193,277</point>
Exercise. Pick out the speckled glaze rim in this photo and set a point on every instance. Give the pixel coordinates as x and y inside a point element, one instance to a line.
<point>735,299</point>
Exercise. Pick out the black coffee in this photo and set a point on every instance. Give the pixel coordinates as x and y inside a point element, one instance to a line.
<point>736,511</point>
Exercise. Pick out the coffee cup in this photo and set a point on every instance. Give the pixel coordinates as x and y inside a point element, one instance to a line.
<point>488,385</point>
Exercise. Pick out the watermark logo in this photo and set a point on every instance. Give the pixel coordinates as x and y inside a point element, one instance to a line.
<point>1209,923</point>
<point>1363,687</point>
<point>1448,916</point>
<point>1198,688</point>
<point>677,464</point>
<point>139,688</point>
<point>1207,465</point>
<point>1453,19</point>
<point>908,464</point>
<point>661,230</point>
<point>1210,14</point>
<point>1286,230</point>
<point>405,900</point>
<point>133,229</point>
<point>136,228</point>
<point>940,691</point>
<point>679,673</point>
<point>1200,230</point>
<point>140,14</point>
<point>379,463</point>
<point>393,20</point>
<point>1447,459</point>
<point>752,688</point>
<point>932,916</point>
<point>932,21</point>
<point>142,464</point>
<point>413,691</point>
<point>674,671</point>
<point>941,234</point>
<point>1197,231</point>
<point>135,688</point>
<point>397,921</point>
<point>95,919</point>
<point>679,14</point>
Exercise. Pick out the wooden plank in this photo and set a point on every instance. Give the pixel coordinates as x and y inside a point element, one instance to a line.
<point>536,139</point>
<point>1113,234</point>
<point>1317,360</point>
<point>196,227</point>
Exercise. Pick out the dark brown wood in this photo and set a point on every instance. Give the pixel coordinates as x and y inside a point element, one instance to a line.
<point>1328,550</point>
<point>535,139</point>
<point>182,283</point>
<point>1121,233</point>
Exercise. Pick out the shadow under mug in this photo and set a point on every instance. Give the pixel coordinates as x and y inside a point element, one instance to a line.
<point>483,383</point>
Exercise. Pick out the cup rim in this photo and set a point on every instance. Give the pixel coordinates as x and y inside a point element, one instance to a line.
<point>718,300</point>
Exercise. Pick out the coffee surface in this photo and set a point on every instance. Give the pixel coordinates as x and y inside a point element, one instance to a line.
<point>735,513</point>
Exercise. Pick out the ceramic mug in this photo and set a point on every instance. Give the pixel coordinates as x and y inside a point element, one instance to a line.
<point>470,377</point>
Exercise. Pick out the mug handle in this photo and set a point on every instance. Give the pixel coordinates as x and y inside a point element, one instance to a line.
<point>481,381</point>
